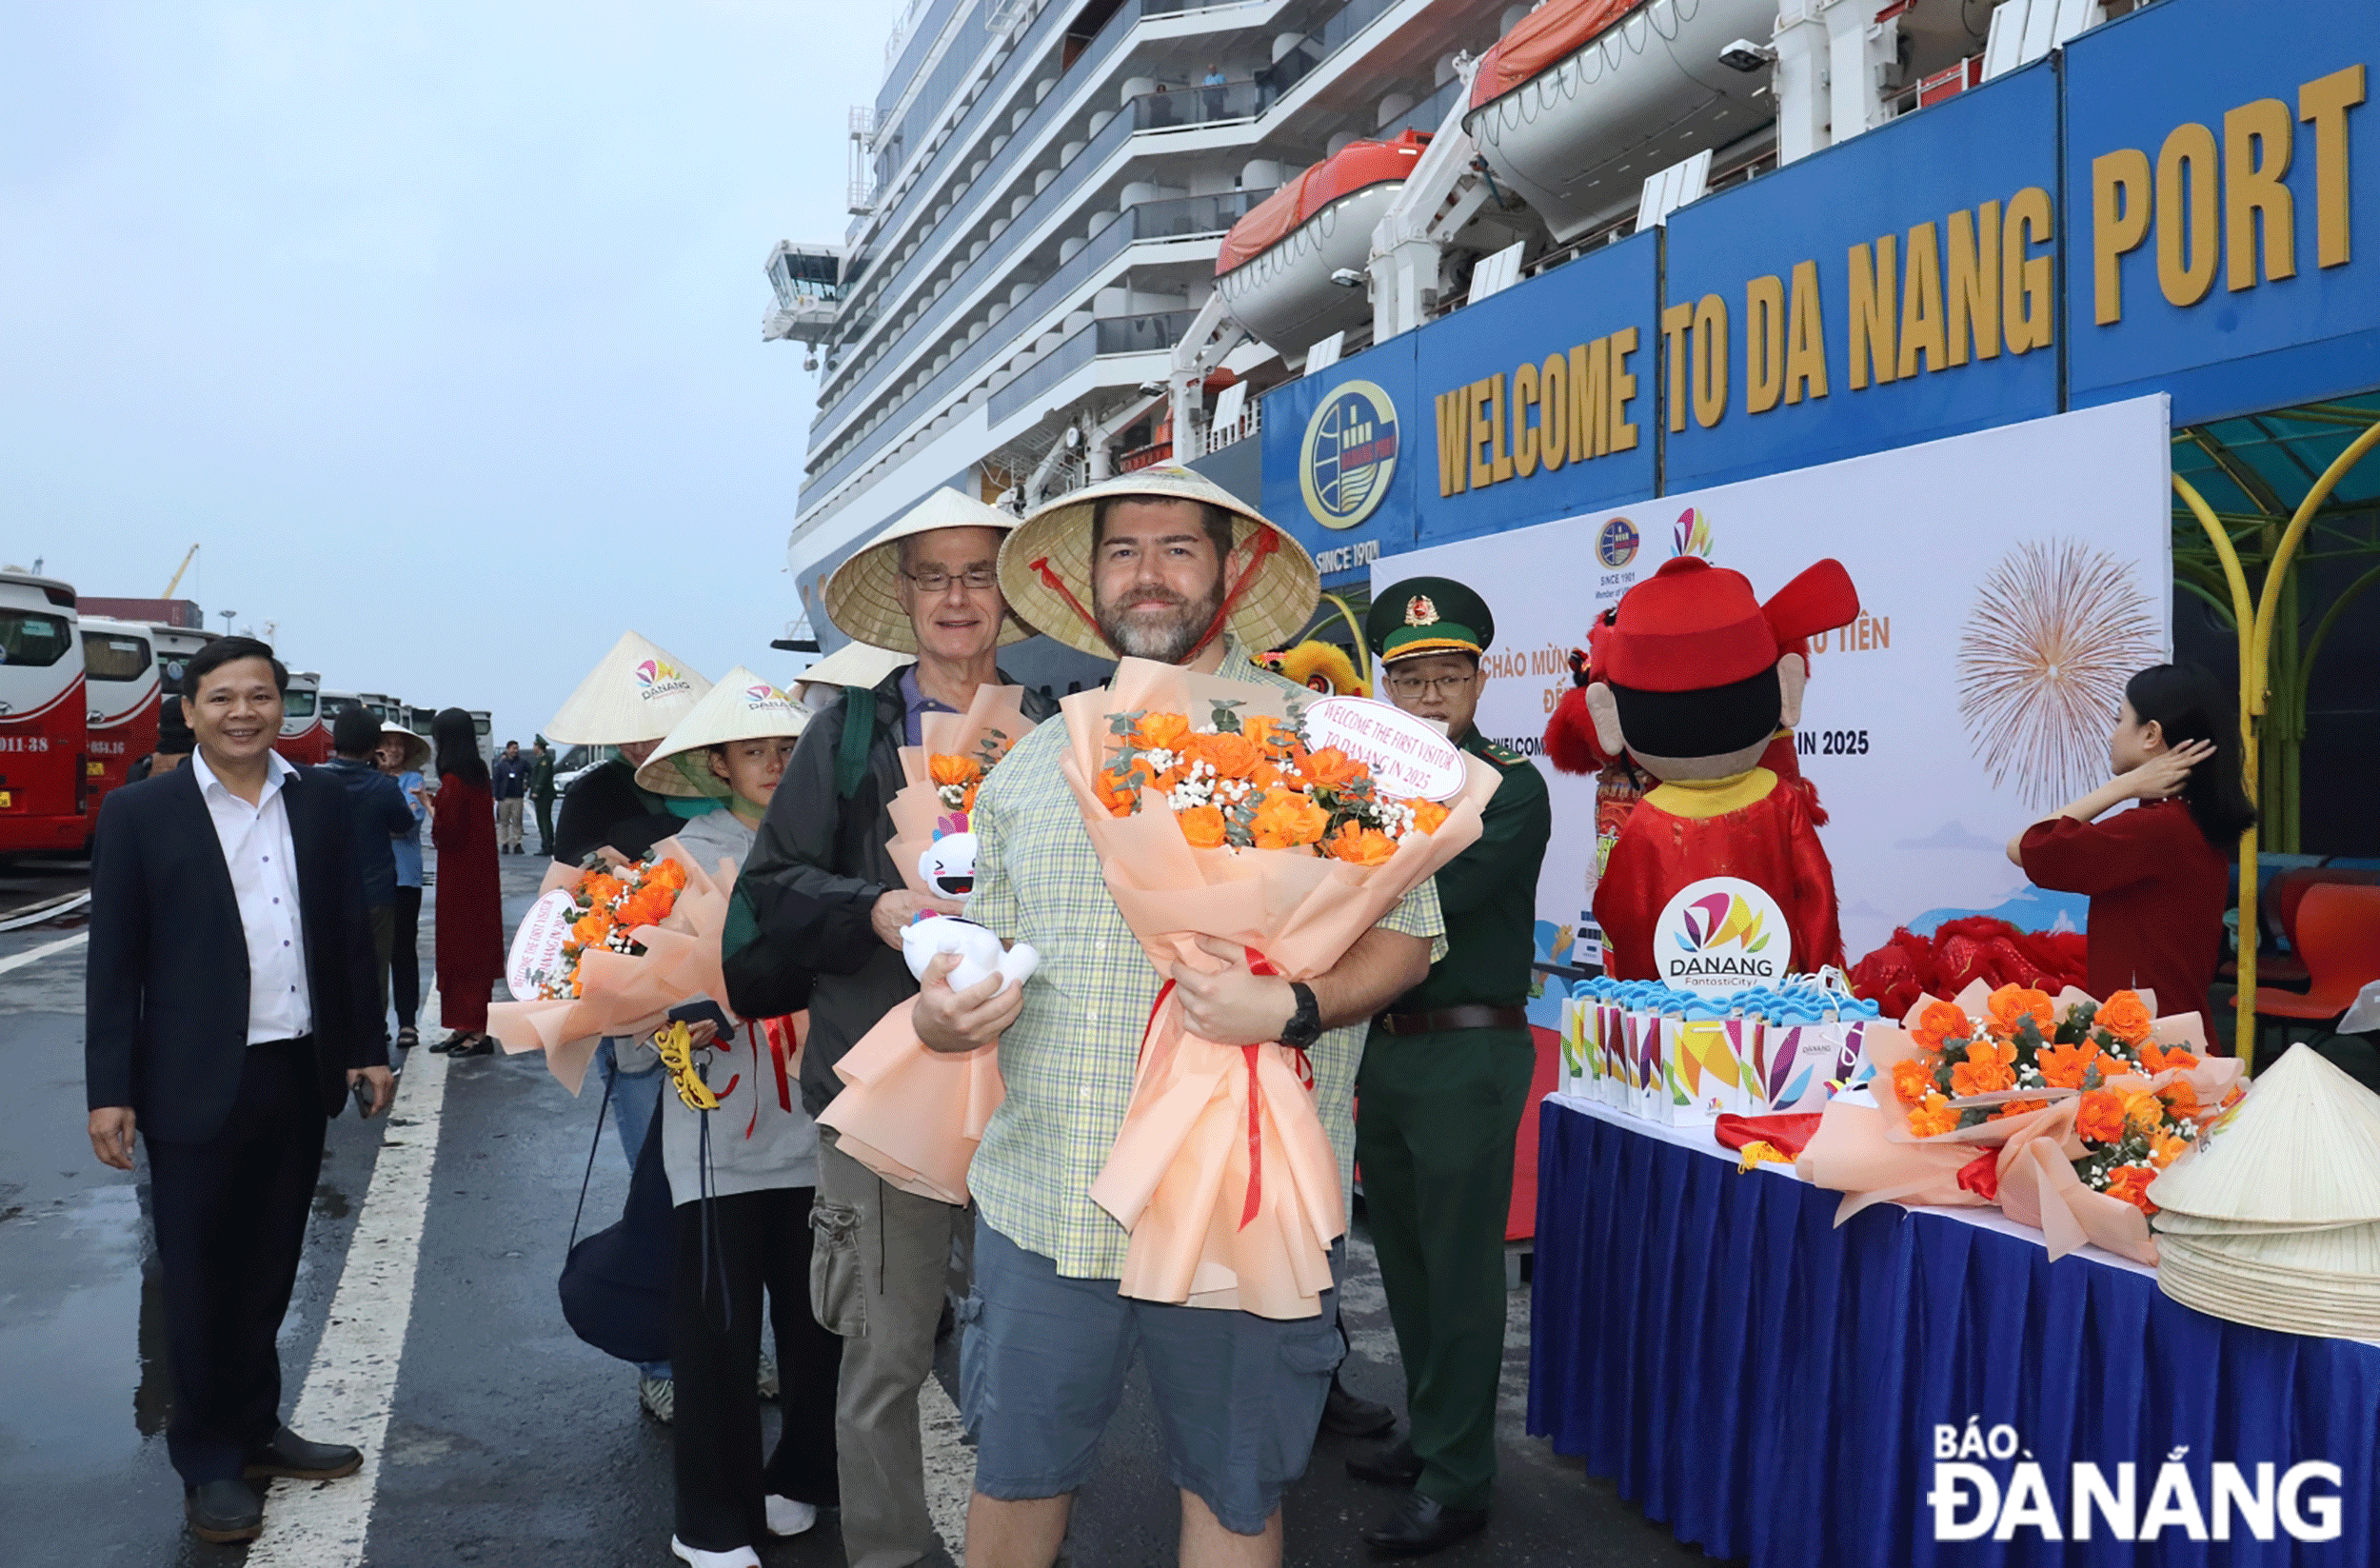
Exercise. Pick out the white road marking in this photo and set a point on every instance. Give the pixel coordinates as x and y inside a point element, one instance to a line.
<point>35,955</point>
<point>354,1381</point>
<point>949,1466</point>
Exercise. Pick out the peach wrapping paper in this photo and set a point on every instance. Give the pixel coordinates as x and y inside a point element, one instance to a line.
<point>1869,1154</point>
<point>910,1115</point>
<point>629,995</point>
<point>1179,1174</point>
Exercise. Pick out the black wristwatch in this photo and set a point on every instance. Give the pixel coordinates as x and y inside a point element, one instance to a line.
<point>1305,1025</point>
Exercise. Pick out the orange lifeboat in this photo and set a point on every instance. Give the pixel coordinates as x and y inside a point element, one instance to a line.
<point>1274,268</point>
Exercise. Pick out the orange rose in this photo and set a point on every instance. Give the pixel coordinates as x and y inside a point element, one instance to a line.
<point>1987,1069</point>
<point>590,929</point>
<point>2131,1183</point>
<point>2101,1118</point>
<point>1933,1116</point>
<point>1428,816</point>
<point>2157,1059</point>
<point>1360,846</point>
<point>1331,768</point>
<point>947,769</point>
<point>2123,1016</point>
<point>1202,825</point>
<point>1120,790</point>
<point>2017,1107</point>
<point>1911,1081</point>
<point>1231,756</point>
<point>601,888</point>
<point>1266,733</point>
<point>1940,1023</point>
<point>2143,1110</point>
<point>1289,820</point>
<point>2167,1147</point>
<point>2180,1098</point>
<point>2065,1066</point>
<point>668,873</point>
<point>1160,732</point>
<point>2012,1004</point>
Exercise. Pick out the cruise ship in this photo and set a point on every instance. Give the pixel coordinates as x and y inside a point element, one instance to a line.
<point>1089,234</point>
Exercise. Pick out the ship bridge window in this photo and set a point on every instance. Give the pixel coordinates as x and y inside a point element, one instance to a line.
<point>28,638</point>
<point>110,656</point>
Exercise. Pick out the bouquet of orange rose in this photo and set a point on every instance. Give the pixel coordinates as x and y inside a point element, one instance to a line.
<point>609,951</point>
<point>2060,1110</point>
<point>1213,818</point>
<point>910,1115</point>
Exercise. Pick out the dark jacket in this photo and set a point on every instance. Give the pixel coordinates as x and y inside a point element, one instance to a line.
<point>380,814</point>
<point>800,933</point>
<point>166,995</point>
<point>607,808</point>
<point>510,778</point>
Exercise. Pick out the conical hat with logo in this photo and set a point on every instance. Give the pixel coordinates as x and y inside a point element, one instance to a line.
<point>1046,566</point>
<point>852,664</point>
<point>740,707</point>
<point>864,595</point>
<point>417,749</point>
<point>636,692</point>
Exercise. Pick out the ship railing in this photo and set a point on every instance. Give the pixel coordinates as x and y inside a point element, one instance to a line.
<point>1230,433</point>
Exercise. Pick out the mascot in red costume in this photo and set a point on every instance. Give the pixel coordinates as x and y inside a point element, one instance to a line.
<point>1694,680</point>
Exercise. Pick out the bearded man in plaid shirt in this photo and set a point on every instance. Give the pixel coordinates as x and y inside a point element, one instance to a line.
<point>1174,568</point>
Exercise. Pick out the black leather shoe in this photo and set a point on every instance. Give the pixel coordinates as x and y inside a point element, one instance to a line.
<point>483,1045</point>
<point>1392,1466</point>
<point>1421,1526</point>
<point>1346,1416</point>
<point>223,1511</point>
<point>287,1453</point>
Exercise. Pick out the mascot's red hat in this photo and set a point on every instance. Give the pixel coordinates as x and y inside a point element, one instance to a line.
<point>1692,626</point>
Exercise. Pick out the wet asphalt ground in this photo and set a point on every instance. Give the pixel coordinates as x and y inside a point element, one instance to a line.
<point>508,1441</point>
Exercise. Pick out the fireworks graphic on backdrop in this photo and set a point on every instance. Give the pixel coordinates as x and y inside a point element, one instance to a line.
<point>2056,629</point>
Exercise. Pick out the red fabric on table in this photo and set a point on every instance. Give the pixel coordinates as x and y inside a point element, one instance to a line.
<point>1787,1134</point>
<point>471,928</point>
<point>2157,889</point>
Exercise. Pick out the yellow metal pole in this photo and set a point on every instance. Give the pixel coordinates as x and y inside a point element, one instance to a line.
<point>2243,618</point>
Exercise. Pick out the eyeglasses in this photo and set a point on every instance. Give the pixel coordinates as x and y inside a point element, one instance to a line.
<point>976,579</point>
<point>1435,685</point>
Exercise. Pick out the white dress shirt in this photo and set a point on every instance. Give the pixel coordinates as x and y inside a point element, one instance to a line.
<point>262,858</point>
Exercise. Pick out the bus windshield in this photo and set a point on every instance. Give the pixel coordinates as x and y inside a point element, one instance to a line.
<point>30,638</point>
<point>297,704</point>
<point>111,656</point>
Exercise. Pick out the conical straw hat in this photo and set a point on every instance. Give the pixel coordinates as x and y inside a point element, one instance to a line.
<point>2303,1146</point>
<point>852,664</point>
<point>1046,566</point>
<point>417,749</point>
<point>740,707</point>
<point>864,595</point>
<point>636,692</point>
<point>2335,1254</point>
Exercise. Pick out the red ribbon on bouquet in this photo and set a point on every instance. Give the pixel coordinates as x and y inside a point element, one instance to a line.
<point>1260,964</point>
<point>782,1045</point>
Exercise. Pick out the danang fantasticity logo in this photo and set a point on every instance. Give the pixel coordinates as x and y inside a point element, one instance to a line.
<point>1349,454</point>
<point>1972,1496</point>
<point>1693,533</point>
<point>658,678</point>
<point>1721,934</point>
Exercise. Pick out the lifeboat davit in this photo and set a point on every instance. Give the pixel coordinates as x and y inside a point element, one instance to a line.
<point>1275,268</point>
<point>1584,99</point>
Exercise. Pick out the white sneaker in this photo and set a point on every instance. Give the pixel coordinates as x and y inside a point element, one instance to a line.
<point>788,1518</point>
<point>659,1396</point>
<point>743,1556</point>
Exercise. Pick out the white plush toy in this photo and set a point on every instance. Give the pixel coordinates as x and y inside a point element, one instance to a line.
<point>948,869</point>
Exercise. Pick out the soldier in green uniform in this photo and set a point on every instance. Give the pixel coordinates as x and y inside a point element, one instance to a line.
<point>1445,1078</point>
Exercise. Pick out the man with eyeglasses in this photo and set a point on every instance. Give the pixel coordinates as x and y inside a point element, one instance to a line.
<point>1445,1078</point>
<point>815,922</point>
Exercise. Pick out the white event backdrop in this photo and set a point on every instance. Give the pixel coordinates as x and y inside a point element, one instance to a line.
<point>2010,582</point>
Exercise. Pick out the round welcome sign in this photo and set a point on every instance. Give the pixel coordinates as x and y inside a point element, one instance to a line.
<point>1721,934</point>
<point>1408,757</point>
<point>536,955</point>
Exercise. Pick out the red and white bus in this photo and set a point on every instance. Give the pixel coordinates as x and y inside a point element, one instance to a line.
<point>174,646</point>
<point>121,688</point>
<point>305,726</point>
<point>44,787</point>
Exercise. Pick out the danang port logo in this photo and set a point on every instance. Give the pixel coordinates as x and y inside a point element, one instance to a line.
<point>1349,454</point>
<point>1616,544</point>
<point>1721,934</point>
<point>659,678</point>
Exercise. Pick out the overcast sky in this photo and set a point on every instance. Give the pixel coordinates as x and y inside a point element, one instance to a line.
<point>436,325</point>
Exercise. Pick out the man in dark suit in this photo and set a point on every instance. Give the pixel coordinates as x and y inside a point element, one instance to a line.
<point>229,1008</point>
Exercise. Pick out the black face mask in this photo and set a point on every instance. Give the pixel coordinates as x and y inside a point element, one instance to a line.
<point>1710,722</point>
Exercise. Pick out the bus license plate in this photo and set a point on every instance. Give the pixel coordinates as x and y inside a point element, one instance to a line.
<point>95,769</point>
<point>8,799</point>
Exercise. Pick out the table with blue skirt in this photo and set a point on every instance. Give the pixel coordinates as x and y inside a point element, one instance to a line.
<point>1776,1388</point>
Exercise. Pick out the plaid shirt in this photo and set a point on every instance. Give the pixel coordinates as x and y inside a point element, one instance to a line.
<point>1068,1060</point>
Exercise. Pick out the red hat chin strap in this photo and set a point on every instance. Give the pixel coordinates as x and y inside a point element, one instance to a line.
<point>1260,549</point>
